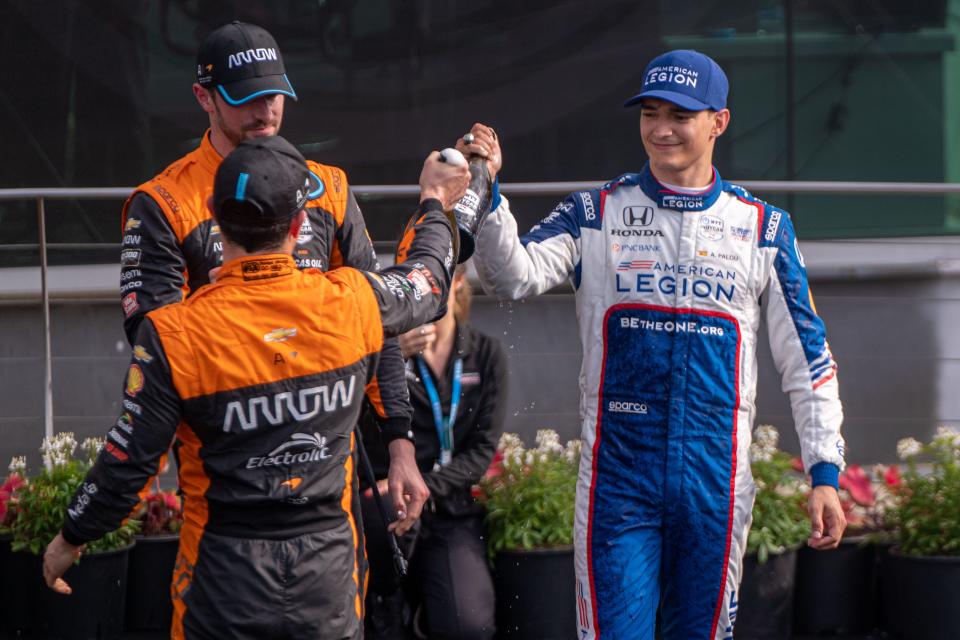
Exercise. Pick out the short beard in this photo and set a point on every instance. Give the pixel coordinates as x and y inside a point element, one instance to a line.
<point>235,136</point>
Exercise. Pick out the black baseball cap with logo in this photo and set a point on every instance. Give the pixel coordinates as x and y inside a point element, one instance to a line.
<point>263,181</point>
<point>241,62</point>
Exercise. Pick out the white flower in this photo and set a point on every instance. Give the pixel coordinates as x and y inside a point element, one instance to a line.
<point>18,465</point>
<point>949,435</point>
<point>547,439</point>
<point>572,451</point>
<point>908,448</point>
<point>510,442</point>
<point>91,447</point>
<point>58,450</point>
<point>767,436</point>
<point>760,453</point>
<point>529,459</point>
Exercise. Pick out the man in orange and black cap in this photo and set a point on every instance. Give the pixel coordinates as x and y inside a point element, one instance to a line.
<point>259,377</point>
<point>170,242</point>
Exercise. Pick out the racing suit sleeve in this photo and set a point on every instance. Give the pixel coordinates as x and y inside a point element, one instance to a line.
<point>134,445</point>
<point>151,268</point>
<point>802,355</point>
<point>387,392</point>
<point>513,268</point>
<point>414,290</point>
<point>473,456</point>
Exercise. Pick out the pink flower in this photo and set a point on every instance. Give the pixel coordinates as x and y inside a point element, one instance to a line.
<point>892,476</point>
<point>856,481</point>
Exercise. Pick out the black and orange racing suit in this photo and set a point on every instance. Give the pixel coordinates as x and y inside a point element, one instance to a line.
<point>170,244</point>
<point>260,377</point>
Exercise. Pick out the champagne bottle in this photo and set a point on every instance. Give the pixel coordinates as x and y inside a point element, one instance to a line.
<point>473,207</point>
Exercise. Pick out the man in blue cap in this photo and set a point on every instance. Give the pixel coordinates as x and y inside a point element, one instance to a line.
<point>670,266</point>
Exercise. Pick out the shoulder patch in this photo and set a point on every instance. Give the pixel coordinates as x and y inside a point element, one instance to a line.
<point>772,225</point>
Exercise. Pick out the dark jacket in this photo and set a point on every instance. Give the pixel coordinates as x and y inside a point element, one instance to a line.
<point>476,430</point>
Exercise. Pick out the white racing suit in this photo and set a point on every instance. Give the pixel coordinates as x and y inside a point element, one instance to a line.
<point>668,296</point>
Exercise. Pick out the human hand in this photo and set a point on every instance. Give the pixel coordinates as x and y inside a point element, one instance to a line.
<point>415,341</point>
<point>408,492</point>
<point>58,557</point>
<point>444,181</point>
<point>485,144</point>
<point>825,511</point>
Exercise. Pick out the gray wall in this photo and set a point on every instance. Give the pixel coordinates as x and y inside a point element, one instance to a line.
<point>890,321</point>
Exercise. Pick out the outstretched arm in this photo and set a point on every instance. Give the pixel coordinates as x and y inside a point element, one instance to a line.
<point>511,267</point>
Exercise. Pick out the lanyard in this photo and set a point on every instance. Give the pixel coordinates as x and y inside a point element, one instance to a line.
<point>444,425</point>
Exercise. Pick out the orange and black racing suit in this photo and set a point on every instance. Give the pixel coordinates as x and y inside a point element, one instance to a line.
<point>260,377</point>
<point>170,244</point>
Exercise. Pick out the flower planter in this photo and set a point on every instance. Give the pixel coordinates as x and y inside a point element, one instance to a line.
<point>835,590</point>
<point>149,573</point>
<point>94,609</point>
<point>924,594</point>
<point>21,577</point>
<point>765,601</point>
<point>536,594</point>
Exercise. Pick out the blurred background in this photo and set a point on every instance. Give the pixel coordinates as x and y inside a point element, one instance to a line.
<point>97,94</point>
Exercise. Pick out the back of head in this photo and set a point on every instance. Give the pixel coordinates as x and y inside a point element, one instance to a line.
<point>259,188</point>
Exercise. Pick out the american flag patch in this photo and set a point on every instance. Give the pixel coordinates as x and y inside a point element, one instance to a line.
<point>632,265</point>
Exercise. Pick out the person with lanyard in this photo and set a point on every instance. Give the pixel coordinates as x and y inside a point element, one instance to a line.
<point>457,379</point>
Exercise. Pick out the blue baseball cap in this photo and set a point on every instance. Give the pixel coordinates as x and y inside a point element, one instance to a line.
<point>687,78</point>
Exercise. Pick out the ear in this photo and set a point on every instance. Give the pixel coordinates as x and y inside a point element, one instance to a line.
<point>296,223</point>
<point>204,98</point>
<point>721,120</point>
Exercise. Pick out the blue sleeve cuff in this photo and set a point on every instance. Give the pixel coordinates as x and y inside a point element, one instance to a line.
<point>495,194</point>
<point>825,473</point>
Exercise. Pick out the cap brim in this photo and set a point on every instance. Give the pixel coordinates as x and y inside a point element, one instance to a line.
<point>679,99</point>
<point>237,93</point>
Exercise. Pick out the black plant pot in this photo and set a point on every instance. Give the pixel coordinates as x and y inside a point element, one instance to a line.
<point>94,609</point>
<point>765,608</point>
<point>536,594</point>
<point>149,574</point>
<point>836,590</point>
<point>924,591</point>
<point>20,579</point>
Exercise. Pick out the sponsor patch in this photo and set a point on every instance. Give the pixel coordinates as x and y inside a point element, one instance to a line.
<point>130,258</point>
<point>770,234</point>
<point>618,406</point>
<point>301,448</point>
<point>711,228</point>
<point>637,216</point>
<point>470,378</point>
<point>261,269</point>
<point>741,233</point>
<point>306,232</point>
<point>130,304</point>
<point>168,198</point>
<point>280,335</point>
<point>134,380</point>
<point>132,407</point>
<point>140,353</point>
<point>132,223</point>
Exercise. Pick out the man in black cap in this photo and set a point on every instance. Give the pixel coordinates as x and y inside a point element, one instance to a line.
<point>171,243</point>
<point>259,377</point>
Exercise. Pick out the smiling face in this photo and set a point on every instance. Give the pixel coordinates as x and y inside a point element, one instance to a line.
<point>680,143</point>
<point>231,125</point>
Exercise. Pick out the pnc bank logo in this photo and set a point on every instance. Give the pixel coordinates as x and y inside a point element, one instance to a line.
<point>637,216</point>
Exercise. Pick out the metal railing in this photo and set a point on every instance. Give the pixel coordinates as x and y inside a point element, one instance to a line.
<point>41,195</point>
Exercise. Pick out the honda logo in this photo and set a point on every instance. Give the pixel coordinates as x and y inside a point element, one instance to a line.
<point>637,216</point>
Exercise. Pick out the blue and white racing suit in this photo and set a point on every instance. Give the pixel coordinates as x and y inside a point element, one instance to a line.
<point>668,294</point>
